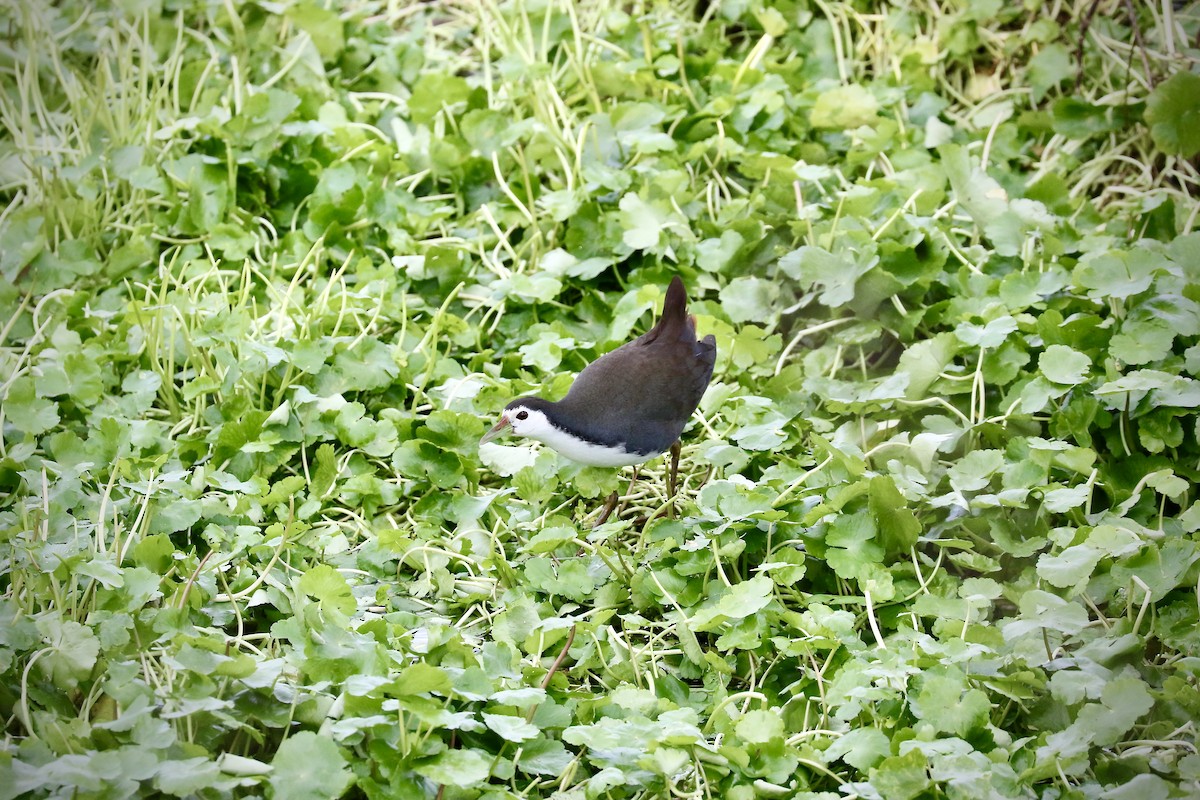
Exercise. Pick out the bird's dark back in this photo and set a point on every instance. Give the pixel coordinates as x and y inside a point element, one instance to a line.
<point>646,390</point>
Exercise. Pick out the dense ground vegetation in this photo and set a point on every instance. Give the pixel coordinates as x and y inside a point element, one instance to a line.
<point>269,270</point>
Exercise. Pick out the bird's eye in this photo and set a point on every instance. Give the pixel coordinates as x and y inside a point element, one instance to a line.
<point>522,415</point>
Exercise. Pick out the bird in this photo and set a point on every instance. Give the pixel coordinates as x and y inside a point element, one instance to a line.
<point>628,406</point>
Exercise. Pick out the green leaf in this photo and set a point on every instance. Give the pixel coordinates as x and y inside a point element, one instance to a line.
<point>1117,273</point>
<point>924,362</point>
<point>1079,119</point>
<point>760,727</point>
<point>550,539</point>
<point>187,777</point>
<point>974,471</point>
<point>546,352</point>
<point>309,767</point>
<point>1168,390</point>
<point>176,514</point>
<point>715,255</point>
<point>489,131</point>
<point>1044,611</point>
<point>852,545</point>
<point>991,335</point>
<point>327,585</point>
<point>421,678</point>
<point>1166,482</point>
<point>1072,566</point>
<point>236,434</point>
<point>1142,341</point>
<point>645,223</point>
<point>897,528</point>
<point>27,412</point>
<point>323,25</point>
<point>22,239</point>
<point>980,194</point>
<point>155,552</point>
<point>325,471</point>
<point>513,729</point>
<point>1173,112</point>
<point>71,651</point>
<point>901,777</point>
<point>78,376</point>
<point>836,274</point>
<point>946,702</point>
<point>1064,365</point>
<point>570,579</point>
<point>861,748</point>
<point>1146,786</point>
<point>461,768</point>
<point>544,757</point>
<point>1059,500</point>
<point>104,570</point>
<point>749,299</point>
<point>847,106</point>
<point>1049,69</point>
<point>739,601</point>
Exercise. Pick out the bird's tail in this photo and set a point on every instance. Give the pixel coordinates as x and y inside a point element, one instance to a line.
<point>675,322</point>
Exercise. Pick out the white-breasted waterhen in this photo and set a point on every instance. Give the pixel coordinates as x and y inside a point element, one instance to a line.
<point>629,405</point>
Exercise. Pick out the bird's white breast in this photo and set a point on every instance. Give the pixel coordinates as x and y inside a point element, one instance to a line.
<point>533,424</point>
<point>593,455</point>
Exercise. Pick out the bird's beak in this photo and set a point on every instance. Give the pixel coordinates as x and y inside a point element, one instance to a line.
<point>499,429</point>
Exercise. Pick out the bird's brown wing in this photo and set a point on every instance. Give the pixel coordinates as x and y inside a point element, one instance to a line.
<point>642,391</point>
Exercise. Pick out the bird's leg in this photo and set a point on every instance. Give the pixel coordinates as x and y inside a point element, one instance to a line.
<point>609,505</point>
<point>675,448</point>
<point>620,507</point>
<point>671,479</point>
<point>672,474</point>
<point>629,491</point>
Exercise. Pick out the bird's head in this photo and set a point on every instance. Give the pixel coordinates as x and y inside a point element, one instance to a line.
<point>522,417</point>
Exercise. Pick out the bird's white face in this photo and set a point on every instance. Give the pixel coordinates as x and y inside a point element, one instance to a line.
<point>529,423</point>
<point>521,421</point>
